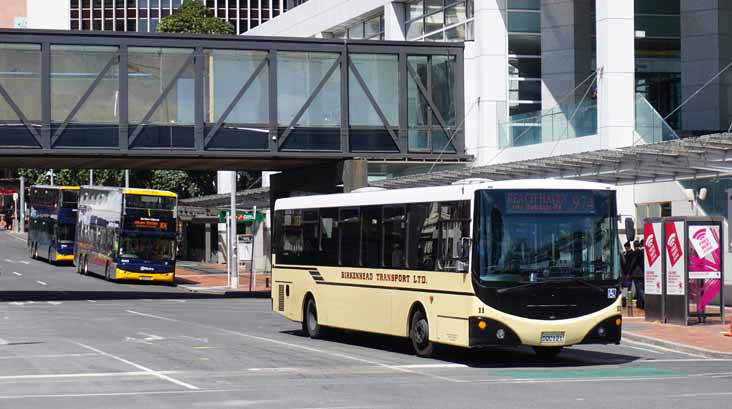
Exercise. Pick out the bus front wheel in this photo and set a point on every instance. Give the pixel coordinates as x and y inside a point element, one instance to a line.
<point>419,333</point>
<point>547,352</point>
<point>310,323</point>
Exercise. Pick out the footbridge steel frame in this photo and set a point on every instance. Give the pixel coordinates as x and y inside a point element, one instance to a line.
<point>429,100</point>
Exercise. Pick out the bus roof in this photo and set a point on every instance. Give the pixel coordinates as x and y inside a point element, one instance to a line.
<point>429,194</point>
<point>131,191</point>
<point>56,187</point>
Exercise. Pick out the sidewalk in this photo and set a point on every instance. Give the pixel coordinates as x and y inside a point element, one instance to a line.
<point>205,277</point>
<point>706,340</point>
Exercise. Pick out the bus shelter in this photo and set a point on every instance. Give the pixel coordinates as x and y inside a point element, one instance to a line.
<point>683,268</point>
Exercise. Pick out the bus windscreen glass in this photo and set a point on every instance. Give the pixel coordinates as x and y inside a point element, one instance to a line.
<point>541,235</point>
<point>147,248</point>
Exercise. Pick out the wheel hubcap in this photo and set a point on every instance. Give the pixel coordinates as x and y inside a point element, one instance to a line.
<point>420,333</point>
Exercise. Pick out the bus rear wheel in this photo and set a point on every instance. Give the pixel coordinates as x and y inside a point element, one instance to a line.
<point>547,352</point>
<point>310,324</point>
<point>50,259</point>
<point>419,333</point>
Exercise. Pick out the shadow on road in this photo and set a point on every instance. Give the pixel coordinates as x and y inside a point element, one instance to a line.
<point>499,357</point>
<point>51,295</point>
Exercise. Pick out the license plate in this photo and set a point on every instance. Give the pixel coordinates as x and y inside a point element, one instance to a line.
<point>145,278</point>
<point>552,337</point>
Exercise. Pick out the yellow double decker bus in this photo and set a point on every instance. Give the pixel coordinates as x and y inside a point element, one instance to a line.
<point>474,264</point>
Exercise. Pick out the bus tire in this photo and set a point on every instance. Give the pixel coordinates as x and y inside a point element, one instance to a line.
<point>35,251</point>
<point>106,272</point>
<point>547,352</point>
<point>419,333</point>
<point>50,260</point>
<point>85,268</point>
<point>310,324</point>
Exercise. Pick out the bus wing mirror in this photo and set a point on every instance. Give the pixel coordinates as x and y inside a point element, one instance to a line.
<point>464,249</point>
<point>629,229</point>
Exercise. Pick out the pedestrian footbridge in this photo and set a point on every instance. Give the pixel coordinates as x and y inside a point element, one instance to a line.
<point>72,99</point>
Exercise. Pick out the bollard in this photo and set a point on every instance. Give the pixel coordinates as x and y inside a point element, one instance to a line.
<point>629,301</point>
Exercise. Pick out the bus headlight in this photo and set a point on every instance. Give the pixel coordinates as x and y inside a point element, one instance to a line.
<point>601,331</point>
<point>500,334</point>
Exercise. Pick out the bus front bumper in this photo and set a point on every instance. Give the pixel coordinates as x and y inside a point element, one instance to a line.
<point>486,332</point>
<point>131,275</point>
<point>64,257</point>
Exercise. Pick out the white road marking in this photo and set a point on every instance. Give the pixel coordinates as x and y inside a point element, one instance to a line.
<point>3,342</point>
<point>650,361</point>
<point>7,260</point>
<point>17,273</point>
<point>151,316</point>
<point>140,367</point>
<point>16,303</point>
<point>90,395</point>
<point>273,369</point>
<point>151,337</point>
<point>661,348</point>
<point>426,366</point>
<point>25,261</point>
<point>48,356</point>
<point>55,302</point>
<point>41,282</point>
<point>80,375</point>
<point>642,349</point>
<point>90,301</point>
<point>302,347</point>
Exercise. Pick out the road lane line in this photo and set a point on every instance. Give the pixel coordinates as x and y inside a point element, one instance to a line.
<point>140,367</point>
<point>3,342</point>
<point>642,349</point>
<point>650,361</point>
<point>17,273</point>
<point>301,347</point>
<point>92,395</point>
<point>7,260</point>
<point>41,282</point>
<point>47,356</point>
<point>79,375</point>
<point>151,316</point>
<point>427,366</point>
<point>661,348</point>
<point>25,262</point>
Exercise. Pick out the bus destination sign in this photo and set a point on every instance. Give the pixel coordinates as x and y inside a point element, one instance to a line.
<point>149,223</point>
<point>554,202</point>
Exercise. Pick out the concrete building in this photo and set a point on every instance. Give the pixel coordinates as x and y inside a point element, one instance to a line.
<point>551,77</point>
<point>128,15</point>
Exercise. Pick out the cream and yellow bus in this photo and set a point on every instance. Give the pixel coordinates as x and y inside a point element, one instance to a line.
<point>473,264</point>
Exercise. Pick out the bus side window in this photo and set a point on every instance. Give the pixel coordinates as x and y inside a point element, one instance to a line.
<point>395,236</point>
<point>371,236</point>
<point>329,237</point>
<point>349,227</point>
<point>454,225</point>
<point>423,235</point>
<point>292,235</point>
<point>310,236</point>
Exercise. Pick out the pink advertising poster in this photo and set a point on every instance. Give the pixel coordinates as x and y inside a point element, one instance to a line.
<point>675,263</point>
<point>704,252</point>
<point>704,264</point>
<point>651,232</point>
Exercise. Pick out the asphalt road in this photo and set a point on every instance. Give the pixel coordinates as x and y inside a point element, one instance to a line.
<point>72,341</point>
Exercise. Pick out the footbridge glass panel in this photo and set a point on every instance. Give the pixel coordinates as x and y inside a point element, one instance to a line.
<point>65,94</point>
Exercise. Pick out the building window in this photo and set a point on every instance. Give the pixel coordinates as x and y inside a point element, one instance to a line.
<point>439,20</point>
<point>370,28</point>
<point>524,56</point>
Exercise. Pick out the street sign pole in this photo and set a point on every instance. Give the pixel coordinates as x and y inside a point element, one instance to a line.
<point>252,272</point>
<point>233,264</point>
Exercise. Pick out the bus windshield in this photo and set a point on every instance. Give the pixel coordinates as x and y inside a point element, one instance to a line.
<point>525,236</point>
<point>66,233</point>
<point>147,248</point>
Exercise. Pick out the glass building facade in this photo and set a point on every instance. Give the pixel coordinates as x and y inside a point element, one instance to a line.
<point>439,20</point>
<point>368,28</point>
<point>145,15</point>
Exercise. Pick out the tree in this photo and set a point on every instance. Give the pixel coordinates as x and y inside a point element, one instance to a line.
<point>193,17</point>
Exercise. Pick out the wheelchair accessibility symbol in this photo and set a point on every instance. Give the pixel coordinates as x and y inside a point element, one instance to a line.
<point>612,293</point>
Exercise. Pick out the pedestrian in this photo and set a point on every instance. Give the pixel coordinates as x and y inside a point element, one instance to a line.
<point>626,260</point>
<point>638,273</point>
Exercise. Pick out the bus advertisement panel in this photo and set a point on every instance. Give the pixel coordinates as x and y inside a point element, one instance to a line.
<point>127,234</point>
<point>52,222</point>
<point>510,263</point>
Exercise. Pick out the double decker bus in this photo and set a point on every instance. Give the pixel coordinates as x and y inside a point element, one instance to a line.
<point>510,263</point>
<point>126,234</point>
<point>52,222</point>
